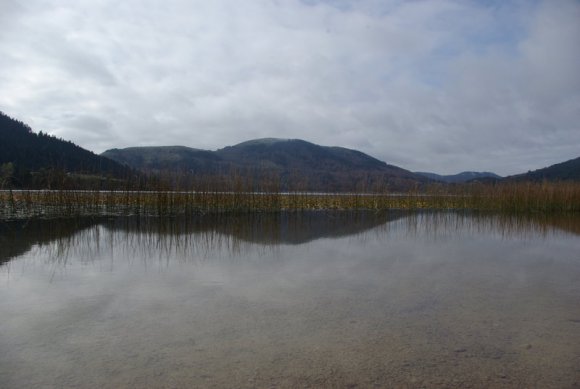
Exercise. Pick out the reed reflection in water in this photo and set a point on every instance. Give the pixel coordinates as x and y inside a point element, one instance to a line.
<point>291,299</point>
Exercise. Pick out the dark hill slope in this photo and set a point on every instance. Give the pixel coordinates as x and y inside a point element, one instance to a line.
<point>30,152</point>
<point>314,167</point>
<point>462,177</point>
<point>564,171</point>
<point>162,158</point>
<point>299,154</point>
<point>299,164</point>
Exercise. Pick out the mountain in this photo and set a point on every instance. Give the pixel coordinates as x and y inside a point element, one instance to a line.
<point>461,177</point>
<point>153,159</point>
<point>564,171</point>
<point>299,164</point>
<point>23,154</point>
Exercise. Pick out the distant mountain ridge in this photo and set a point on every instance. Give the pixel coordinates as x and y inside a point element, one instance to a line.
<point>298,163</point>
<point>461,177</point>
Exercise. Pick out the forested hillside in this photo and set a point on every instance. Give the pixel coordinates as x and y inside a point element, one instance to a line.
<point>564,171</point>
<point>35,159</point>
<point>462,177</point>
<point>295,164</point>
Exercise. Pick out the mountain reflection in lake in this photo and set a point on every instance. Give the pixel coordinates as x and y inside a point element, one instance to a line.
<point>311,299</point>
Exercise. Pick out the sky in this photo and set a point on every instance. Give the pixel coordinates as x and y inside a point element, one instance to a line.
<point>435,85</point>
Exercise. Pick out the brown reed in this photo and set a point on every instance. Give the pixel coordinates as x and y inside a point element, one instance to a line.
<point>234,194</point>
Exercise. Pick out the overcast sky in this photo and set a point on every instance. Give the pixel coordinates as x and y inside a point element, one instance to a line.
<point>435,85</point>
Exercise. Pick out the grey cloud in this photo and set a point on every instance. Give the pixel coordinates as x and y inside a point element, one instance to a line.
<point>428,85</point>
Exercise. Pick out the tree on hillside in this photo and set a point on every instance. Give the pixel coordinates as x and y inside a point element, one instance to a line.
<point>6,175</point>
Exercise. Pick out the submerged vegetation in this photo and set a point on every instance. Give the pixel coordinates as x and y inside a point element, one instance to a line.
<point>236,195</point>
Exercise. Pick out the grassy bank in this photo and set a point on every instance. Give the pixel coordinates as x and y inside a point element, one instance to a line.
<point>512,198</point>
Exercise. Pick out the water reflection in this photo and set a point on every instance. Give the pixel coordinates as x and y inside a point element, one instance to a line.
<point>247,231</point>
<point>292,300</point>
<point>440,224</point>
<point>263,228</point>
<point>201,232</point>
<point>18,237</point>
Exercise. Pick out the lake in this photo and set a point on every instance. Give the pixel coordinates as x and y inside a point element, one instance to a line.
<point>304,299</point>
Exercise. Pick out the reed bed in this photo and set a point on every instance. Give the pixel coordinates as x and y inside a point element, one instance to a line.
<point>510,198</point>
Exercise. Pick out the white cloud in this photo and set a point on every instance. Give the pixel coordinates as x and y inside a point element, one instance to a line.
<point>428,85</point>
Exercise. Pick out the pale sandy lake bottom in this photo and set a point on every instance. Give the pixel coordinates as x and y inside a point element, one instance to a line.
<point>291,300</point>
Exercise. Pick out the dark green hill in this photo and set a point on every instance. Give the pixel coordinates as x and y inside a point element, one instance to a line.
<point>316,167</point>
<point>24,153</point>
<point>564,171</point>
<point>162,158</point>
<point>462,177</point>
<point>299,154</point>
<point>298,164</point>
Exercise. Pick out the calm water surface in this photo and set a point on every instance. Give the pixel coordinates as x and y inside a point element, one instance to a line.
<point>291,300</point>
